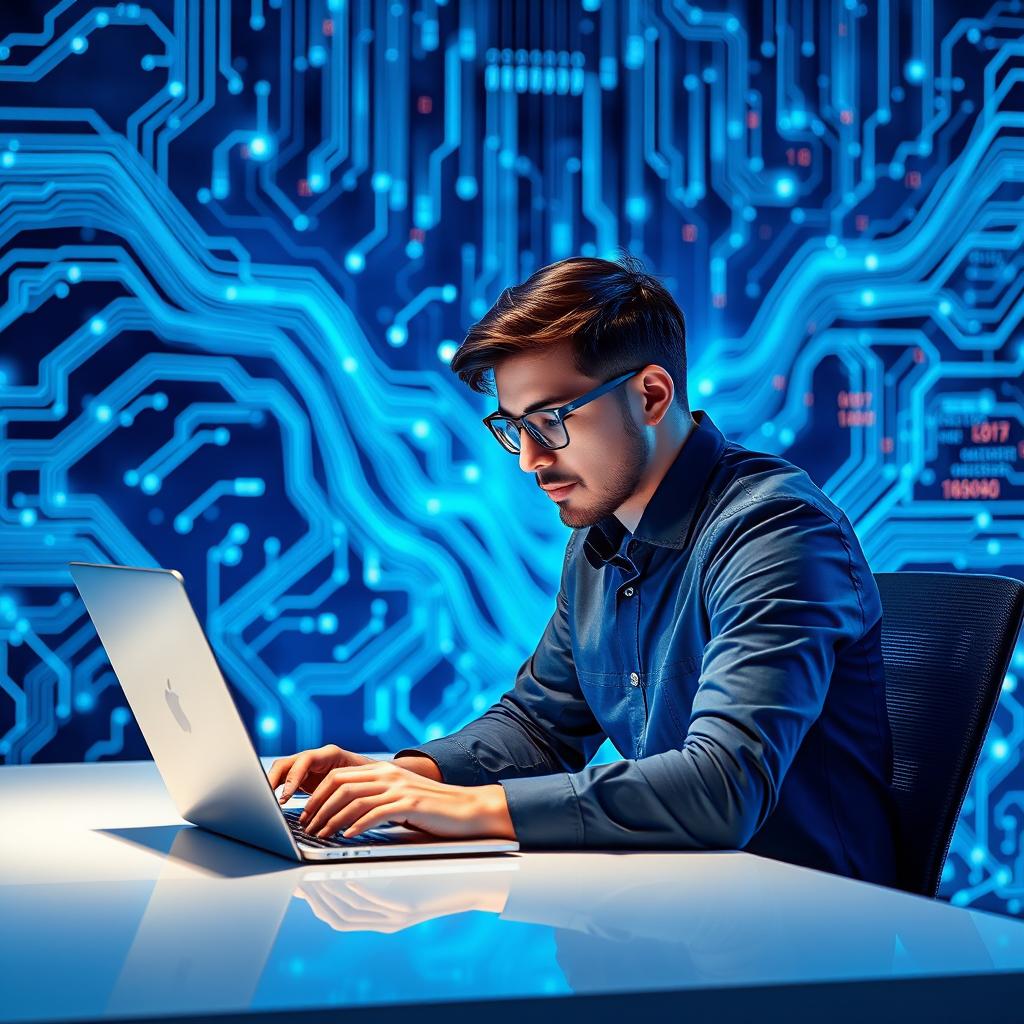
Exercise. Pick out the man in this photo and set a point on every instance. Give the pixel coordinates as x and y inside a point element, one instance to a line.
<point>716,618</point>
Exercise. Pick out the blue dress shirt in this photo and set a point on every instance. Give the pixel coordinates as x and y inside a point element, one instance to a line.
<point>730,648</point>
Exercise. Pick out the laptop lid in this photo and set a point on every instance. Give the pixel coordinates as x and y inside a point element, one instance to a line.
<point>182,703</point>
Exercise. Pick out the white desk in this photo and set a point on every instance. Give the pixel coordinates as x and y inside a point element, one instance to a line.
<point>112,907</point>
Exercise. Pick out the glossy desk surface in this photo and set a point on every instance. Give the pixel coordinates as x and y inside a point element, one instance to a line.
<point>112,907</point>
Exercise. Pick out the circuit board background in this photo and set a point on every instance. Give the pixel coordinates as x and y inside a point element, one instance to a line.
<point>240,242</point>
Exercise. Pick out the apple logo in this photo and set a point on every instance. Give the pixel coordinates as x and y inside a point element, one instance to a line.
<point>174,703</point>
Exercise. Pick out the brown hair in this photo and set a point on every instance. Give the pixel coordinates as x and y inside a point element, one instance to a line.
<point>617,316</point>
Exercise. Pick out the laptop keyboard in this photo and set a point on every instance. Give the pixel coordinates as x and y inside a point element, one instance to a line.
<point>371,835</point>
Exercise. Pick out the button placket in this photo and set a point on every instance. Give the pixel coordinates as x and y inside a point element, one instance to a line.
<point>627,627</point>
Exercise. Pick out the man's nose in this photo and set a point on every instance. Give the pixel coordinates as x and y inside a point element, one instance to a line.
<point>532,454</point>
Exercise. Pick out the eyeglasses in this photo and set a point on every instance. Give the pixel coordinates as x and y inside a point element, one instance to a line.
<point>545,426</point>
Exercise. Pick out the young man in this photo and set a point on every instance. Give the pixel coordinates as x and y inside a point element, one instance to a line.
<point>716,618</point>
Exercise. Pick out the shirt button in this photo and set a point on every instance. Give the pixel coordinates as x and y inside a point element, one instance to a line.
<point>628,592</point>
<point>634,679</point>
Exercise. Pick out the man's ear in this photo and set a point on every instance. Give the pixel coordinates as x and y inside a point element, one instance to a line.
<point>657,392</point>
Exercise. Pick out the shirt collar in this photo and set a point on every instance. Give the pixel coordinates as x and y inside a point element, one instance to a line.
<point>670,513</point>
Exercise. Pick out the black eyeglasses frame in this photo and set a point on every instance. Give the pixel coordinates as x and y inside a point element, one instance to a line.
<point>560,413</point>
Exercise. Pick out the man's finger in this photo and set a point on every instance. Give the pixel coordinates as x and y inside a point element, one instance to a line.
<point>277,770</point>
<point>316,798</point>
<point>334,814</point>
<point>335,796</point>
<point>350,775</point>
<point>295,776</point>
<point>379,815</point>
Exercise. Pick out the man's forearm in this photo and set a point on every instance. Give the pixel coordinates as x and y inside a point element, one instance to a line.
<point>421,765</point>
<point>509,741</point>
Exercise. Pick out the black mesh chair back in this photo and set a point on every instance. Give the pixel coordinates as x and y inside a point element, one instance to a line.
<point>947,639</point>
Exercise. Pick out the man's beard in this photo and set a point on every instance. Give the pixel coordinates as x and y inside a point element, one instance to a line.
<point>622,483</point>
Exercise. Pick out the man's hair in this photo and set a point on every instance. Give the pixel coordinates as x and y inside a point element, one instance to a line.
<point>617,316</point>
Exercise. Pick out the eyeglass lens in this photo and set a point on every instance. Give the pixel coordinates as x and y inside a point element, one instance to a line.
<point>545,428</point>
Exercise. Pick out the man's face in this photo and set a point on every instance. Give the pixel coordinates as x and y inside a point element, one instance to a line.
<point>607,450</point>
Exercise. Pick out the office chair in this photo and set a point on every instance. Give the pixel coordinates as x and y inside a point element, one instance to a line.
<point>947,639</point>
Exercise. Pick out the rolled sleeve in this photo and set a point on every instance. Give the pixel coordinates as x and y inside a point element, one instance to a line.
<point>545,811</point>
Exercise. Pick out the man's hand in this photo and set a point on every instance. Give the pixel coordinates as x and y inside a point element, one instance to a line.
<point>356,797</point>
<point>308,769</point>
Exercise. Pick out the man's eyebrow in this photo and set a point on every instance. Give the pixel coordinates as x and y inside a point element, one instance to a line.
<point>544,403</point>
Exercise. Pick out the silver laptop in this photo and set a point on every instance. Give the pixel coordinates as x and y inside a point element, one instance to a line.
<point>188,718</point>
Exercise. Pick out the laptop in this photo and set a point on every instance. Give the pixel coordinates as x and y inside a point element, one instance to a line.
<point>190,722</point>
